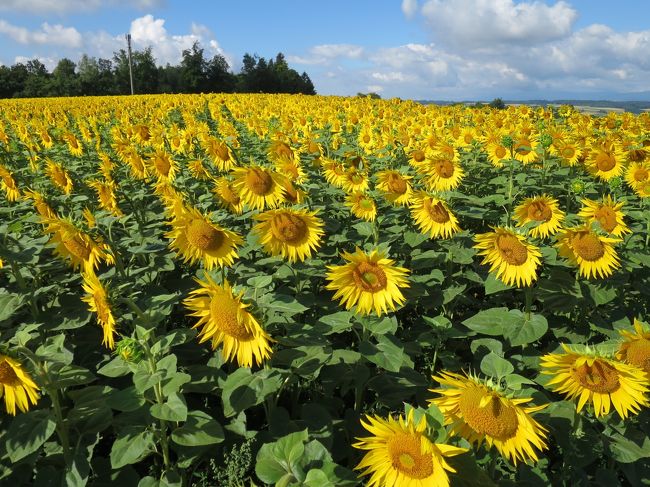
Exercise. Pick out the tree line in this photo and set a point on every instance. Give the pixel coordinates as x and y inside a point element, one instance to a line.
<point>194,74</point>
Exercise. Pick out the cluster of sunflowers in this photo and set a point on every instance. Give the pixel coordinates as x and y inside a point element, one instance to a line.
<point>267,164</point>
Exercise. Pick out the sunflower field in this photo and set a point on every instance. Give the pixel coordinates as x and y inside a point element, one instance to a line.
<point>249,290</point>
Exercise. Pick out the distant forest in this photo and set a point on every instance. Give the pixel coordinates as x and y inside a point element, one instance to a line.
<point>194,74</point>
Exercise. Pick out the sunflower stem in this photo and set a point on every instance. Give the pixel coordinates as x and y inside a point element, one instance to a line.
<point>61,427</point>
<point>160,399</point>
<point>528,293</point>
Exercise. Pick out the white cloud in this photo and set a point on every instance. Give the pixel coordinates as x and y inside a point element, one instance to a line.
<point>48,62</point>
<point>325,53</point>
<point>409,7</point>
<point>57,34</point>
<point>74,6</point>
<point>489,23</point>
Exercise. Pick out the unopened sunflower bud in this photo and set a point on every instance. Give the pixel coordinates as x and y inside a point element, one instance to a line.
<point>546,140</point>
<point>130,350</point>
<point>577,186</point>
<point>507,141</point>
<point>615,183</point>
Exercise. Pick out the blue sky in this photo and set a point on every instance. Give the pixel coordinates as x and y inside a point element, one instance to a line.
<point>421,49</point>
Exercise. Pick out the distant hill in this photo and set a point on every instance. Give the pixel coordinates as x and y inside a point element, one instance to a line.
<point>596,107</point>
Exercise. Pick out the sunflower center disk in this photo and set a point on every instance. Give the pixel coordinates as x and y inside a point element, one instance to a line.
<point>437,212</point>
<point>290,229</point>
<point>512,250</point>
<point>600,377</point>
<point>204,236</point>
<point>369,277</point>
<point>7,374</point>
<point>397,184</point>
<point>539,211</point>
<point>224,312</point>
<point>366,204</point>
<point>588,246</point>
<point>638,353</point>
<point>605,161</point>
<point>606,216</point>
<point>495,418</point>
<point>418,156</point>
<point>406,456</point>
<point>523,147</point>
<point>76,246</point>
<point>641,174</point>
<point>222,151</point>
<point>500,152</point>
<point>258,181</point>
<point>229,195</point>
<point>162,165</point>
<point>444,168</point>
<point>568,152</point>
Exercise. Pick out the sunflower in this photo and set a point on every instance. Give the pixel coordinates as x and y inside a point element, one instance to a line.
<point>605,160</point>
<point>41,206</point>
<point>228,197</point>
<point>16,386</point>
<point>98,303</point>
<point>292,194</point>
<point>400,454</point>
<point>334,171</point>
<point>8,184</point>
<point>396,187</point>
<point>163,166</point>
<point>635,350</point>
<point>568,152</point>
<point>590,377</point>
<point>74,146</point>
<point>607,213</point>
<point>369,281</point>
<point>478,411</point>
<point>75,245</point>
<point>225,320</point>
<point>279,151</point>
<point>444,174</point>
<point>544,212</point>
<point>497,153</point>
<point>525,149</point>
<point>258,187</point>
<point>361,205</point>
<point>594,255</point>
<point>293,234</point>
<point>106,194</point>
<point>58,176</point>
<point>291,169</point>
<point>417,157</point>
<point>510,255</point>
<point>195,238</point>
<point>198,170</point>
<point>354,180</point>
<point>221,154</point>
<point>637,173</point>
<point>433,216</point>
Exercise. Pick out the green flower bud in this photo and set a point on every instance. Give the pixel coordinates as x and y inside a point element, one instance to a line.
<point>577,186</point>
<point>615,183</point>
<point>507,141</point>
<point>130,350</point>
<point>546,140</point>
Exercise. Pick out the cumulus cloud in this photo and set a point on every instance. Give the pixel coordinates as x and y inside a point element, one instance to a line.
<point>409,7</point>
<point>57,34</point>
<point>325,53</point>
<point>74,6</point>
<point>481,23</point>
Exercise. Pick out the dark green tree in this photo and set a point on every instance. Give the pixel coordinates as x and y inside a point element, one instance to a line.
<point>64,80</point>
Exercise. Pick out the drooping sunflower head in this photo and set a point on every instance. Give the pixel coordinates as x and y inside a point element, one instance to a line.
<point>635,349</point>
<point>281,150</point>
<point>40,204</point>
<point>395,186</point>
<point>510,255</point>
<point>478,411</point>
<point>8,184</point>
<point>355,180</point>
<point>400,454</point>
<point>220,153</point>
<point>59,176</point>
<point>594,254</point>
<point>75,245</point>
<point>593,378</point>
<point>228,197</point>
<point>293,234</point>
<point>163,166</point>
<point>195,238</point>
<point>607,213</point>
<point>433,216</point>
<point>16,386</point>
<point>372,282</point>
<point>258,187</point>
<point>541,211</point>
<point>224,320</point>
<point>98,303</point>
<point>361,205</point>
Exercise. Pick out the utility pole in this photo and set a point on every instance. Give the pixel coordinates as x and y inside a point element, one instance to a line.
<point>128,43</point>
